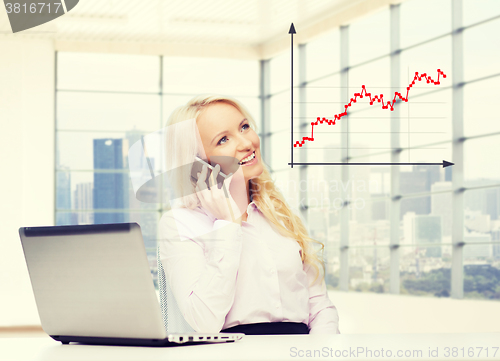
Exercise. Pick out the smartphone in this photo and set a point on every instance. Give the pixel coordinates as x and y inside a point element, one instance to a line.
<point>197,168</point>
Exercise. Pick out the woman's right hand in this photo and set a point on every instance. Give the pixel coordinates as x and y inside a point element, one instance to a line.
<point>214,199</point>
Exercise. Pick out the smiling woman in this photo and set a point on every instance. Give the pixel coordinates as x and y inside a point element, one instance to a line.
<point>237,261</point>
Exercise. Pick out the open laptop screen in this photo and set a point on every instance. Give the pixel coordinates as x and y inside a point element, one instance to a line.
<point>92,280</point>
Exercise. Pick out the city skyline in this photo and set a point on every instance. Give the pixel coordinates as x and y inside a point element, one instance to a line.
<point>424,221</point>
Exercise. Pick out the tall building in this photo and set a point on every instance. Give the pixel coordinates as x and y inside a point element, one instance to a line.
<point>83,198</point>
<point>480,251</point>
<point>476,221</point>
<point>486,200</point>
<point>408,232</point>
<point>110,189</point>
<point>63,193</point>
<point>492,203</point>
<point>448,174</point>
<point>422,230</point>
<point>428,230</point>
<point>420,179</point>
<point>441,205</point>
<point>63,197</point>
<point>495,237</point>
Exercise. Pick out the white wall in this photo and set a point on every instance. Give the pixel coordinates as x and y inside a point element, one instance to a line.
<point>27,164</point>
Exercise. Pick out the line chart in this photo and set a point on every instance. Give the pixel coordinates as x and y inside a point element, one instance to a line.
<point>372,99</point>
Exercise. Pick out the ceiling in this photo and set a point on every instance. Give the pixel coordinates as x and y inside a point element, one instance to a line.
<point>237,28</point>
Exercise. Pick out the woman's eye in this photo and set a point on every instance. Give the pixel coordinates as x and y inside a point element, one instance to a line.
<point>221,139</point>
<point>224,138</point>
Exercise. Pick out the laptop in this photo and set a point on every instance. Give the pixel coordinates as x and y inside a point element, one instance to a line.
<point>93,285</point>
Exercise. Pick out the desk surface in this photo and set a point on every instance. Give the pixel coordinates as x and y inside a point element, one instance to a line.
<point>473,346</point>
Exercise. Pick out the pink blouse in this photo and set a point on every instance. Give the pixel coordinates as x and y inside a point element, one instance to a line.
<point>223,274</point>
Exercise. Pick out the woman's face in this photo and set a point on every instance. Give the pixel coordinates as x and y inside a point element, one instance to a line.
<point>224,131</point>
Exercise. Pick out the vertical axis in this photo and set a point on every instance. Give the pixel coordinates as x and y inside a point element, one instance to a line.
<point>291,32</point>
<point>303,171</point>
<point>409,161</point>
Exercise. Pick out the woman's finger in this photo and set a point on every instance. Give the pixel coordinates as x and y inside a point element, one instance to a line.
<point>203,174</point>
<point>201,178</point>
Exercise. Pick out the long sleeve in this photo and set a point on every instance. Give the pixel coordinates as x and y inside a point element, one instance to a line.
<point>201,264</point>
<point>323,315</point>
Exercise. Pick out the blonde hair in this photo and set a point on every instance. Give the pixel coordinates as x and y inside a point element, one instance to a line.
<point>263,191</point>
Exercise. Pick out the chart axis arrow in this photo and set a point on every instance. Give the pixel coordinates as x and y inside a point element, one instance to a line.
<point>444,163</point>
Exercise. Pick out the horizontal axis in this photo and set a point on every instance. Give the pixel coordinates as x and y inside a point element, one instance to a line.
<point>444,163</point>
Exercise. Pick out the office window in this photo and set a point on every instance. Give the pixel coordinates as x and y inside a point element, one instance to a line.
<point>237,78</point>
<point>481,278</point>
<point>107,102</point>
<point>323,58</point>
<point>422,20</point>
<point>369,125</point>
<point>481,60</point>
<point>280,72</point>
<point>480,114</point>
<point>426,271</point>
<point>278,125</point>
<point>481,256</point>
<point>369,269</point>
<point>480,10</point>
<point>422,130</point>
<point>108,72</point>
<point>104,104</point>
<point>322,100</point>
<point>477,170</point>
<point>280,112</point>
<point>369,37</point>
<point>124,97</point>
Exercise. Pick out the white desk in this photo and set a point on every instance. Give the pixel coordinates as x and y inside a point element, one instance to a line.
<point>292,347</point>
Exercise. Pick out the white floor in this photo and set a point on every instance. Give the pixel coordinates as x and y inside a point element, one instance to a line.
<point>372,313</point>
<point>360,313</point>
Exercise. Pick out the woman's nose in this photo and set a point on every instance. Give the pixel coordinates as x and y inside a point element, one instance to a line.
<point>244,143</point>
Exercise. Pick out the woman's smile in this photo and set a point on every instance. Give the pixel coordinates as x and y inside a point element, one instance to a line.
<point>250,160</point>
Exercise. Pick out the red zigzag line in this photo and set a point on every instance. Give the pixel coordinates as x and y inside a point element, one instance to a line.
<point>379,98</point>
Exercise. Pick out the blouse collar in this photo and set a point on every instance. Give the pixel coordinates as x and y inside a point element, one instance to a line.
<point>251,207</point>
